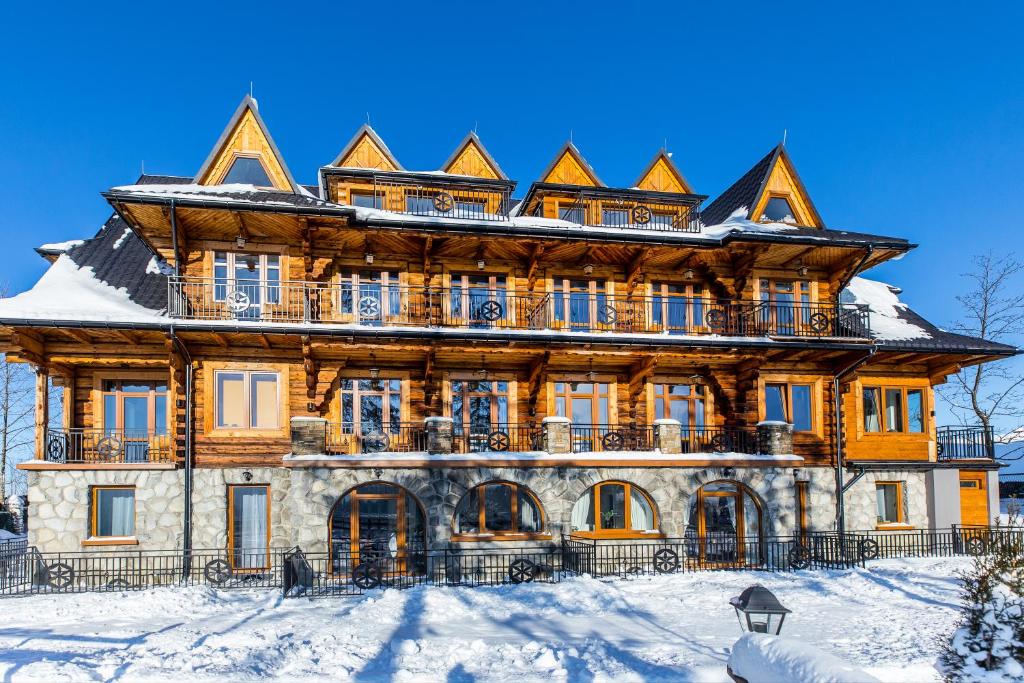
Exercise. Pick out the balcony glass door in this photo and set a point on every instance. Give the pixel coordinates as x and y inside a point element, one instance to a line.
<point>246,283</point>
<point>371,409</point>
<point>582,305</point>
<point>682,402</point>
<point>134,420</point>
<point>369,297</point>
<point>676,308</point>
<point>478,300</point>
<point>788,306</point>
<point>479,408</point>
<point>587,405</point>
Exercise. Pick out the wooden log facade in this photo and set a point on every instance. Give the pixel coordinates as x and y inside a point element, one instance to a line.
<point>314,344</point>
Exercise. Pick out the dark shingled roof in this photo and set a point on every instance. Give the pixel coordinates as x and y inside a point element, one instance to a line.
<point>948,342</point>
<point>124,265</point>
<point>740,194</point>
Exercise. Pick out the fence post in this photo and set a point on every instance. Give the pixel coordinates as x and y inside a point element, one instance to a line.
<point>774,438</point>
<point>668,436</point>
<point>309,435</point>
<point>556,434</point>
<point>439,434</point>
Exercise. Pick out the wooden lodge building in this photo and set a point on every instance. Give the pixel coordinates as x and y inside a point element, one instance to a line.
<point>414,358</point>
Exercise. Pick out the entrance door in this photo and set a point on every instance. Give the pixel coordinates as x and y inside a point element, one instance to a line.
<point>379,523</point>
<point>724,527</point>
<point>974,499</point>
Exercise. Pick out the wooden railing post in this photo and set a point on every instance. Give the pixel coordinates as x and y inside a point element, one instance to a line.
<point>42,410</point>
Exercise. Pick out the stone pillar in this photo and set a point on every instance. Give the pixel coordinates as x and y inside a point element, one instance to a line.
<point>309,435</point>
<point>775,438</point>
<point>555,434</point>
<point>668,436</point>
<point>439,434</point>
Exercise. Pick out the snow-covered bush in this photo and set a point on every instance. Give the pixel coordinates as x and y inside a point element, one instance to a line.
<point>989,643</point>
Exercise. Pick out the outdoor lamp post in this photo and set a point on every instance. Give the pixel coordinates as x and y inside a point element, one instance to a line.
<point>761,609</point>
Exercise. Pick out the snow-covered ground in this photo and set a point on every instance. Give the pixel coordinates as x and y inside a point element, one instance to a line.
<point>890,619</point>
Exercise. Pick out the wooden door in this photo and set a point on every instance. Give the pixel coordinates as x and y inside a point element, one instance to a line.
<point>974,499</point>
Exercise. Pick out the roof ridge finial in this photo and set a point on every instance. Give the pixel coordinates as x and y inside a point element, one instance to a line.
<point>784,134</point>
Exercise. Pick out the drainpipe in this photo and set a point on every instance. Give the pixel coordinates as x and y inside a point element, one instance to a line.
<point>186,543</point>
<point>842,284</point>
<point>837,410</point>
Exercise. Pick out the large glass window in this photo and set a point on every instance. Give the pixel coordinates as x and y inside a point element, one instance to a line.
<point>248,171</point>
<point>381,524</point>
<point>368,200</point>
<point>370,297</point>
<point>677,308</point>
<point>616,218</point>
<point>583,304</point>
<point>247,399</point>
<point>889,501</point>
<point>778,210</point>
<point>135,413</point>
<point>614,509</point>
<point>249,526</point>
<point>498,509</point>
<point>574,213</point>
<point>478,300</point>
<point>682,402</point>
<point>246,281</point>
<point>791,403</point>
<point>789,306</point>
<point>893,410</point>
<point>113,512</point>
<point>479,407</point>
<point>370,406</point>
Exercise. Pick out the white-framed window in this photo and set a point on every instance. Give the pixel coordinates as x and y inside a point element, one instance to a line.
<point>257,276</point>
<point>247,399</point>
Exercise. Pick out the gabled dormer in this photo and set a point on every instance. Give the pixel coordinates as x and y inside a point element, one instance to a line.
<point>471,158</point>
<point>570,190</point>
<point>662,175</point>
<point>770,192</point>
<point>246,154</point>
<point>470,184</point>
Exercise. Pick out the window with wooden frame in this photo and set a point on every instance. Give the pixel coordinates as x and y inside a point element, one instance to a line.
<point>479,406</point>
<point>248,280</point>
<point>478,299</point>
<point>368,296</point>
<point>248,170</point>
<point>677,308</point>
<point>789,305</point>
<point>582,303</point>
<point>572,212</point>
<point>366,199</point>
<point>247,399</point>
<point>663,219</point>
<point>616,217</point>
<point>113,512</point>
<point>584,403</point>
<point>889,502</point>
<point>791,402</point>
<point>682,402</point>
<point>371,405</point>
<point>498,510</point>
<point>890,409</point>
<point>778,210</point>
<point>249,526</point>
<point>134,408</point>
<point>614,509</point>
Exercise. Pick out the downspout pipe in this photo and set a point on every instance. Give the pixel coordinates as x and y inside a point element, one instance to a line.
<point>837,412</point>
<point>186,538</point>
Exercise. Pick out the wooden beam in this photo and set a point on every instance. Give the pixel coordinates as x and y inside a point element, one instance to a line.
<point>310,367</point>
<point>427,254</point>
<point>220,339</point>
<point>328,393</point>
<point>78,335</point>
<point>29,342</point>
<point>798,257</point>
<point>743,266</point>
<point>536,379</point>
<point>42,410</point>
<point>429,386</point>
<point>534,264</point>
<point>126,336</point>
<point>640,259</point>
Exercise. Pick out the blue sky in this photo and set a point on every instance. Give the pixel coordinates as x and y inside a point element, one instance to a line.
<point>903,118</point>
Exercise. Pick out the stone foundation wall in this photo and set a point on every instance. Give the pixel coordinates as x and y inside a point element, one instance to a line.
<point>861,506</point>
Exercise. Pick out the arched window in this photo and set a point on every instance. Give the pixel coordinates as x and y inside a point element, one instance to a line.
<point>498,510</point>
<point>614,509</point>
<point>380,523</point>
<point>724,525</point>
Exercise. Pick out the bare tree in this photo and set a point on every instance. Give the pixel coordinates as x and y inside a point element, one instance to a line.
<point>994,310</point>
<point>17,418</point>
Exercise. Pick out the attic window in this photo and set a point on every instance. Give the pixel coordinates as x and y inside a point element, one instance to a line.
<point>248,171</point>
<point>778,210</point>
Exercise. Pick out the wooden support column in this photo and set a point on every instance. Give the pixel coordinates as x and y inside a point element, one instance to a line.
<point>326,386</point>
<point>537,372</point>
<point>534,265</point>
<point>310,366</point>
<point>429,385</point>
<point>42,409</point>
<point>639,375</point>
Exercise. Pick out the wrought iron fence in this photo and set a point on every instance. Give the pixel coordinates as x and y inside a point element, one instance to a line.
<point>710,439</point>
<point>965,443</point>
<point>24,570</point>
<point>106,446</point>
<point>598,438</point>
<point>496,438</point>
<point>394,437</point>
<point>444,199</point>
<point>479,307</point>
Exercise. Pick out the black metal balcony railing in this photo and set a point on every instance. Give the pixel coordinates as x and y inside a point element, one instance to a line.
<point>106,446</point>
<point>395,437</point>
<point>444,198</point>
<point>496,438</point>
<point>611,438</point>
<point>707,439</point>
<point>965,443</point>
<point>377,305</point>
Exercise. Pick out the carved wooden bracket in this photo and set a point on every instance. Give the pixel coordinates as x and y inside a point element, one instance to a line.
<point>537,371</point>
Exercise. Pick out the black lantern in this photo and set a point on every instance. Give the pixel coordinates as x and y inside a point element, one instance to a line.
<point>761,610</point>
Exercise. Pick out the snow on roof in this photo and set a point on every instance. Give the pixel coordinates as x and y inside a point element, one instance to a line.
<point>885,308</point>
<point>69,292</point>
<point>738,222</point>
<point>59,247</point>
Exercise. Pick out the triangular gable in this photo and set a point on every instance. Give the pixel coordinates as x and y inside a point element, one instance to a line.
<point>367,150</point>
<point>782,181</point>
<point>570,168</point>
<point>471,158</point>
<point>661,175</point>
<point>246,138</point>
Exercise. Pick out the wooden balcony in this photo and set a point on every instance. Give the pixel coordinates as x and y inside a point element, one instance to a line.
<point>106,446</point>
<point>965,443</point>
<point>375,305</point>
